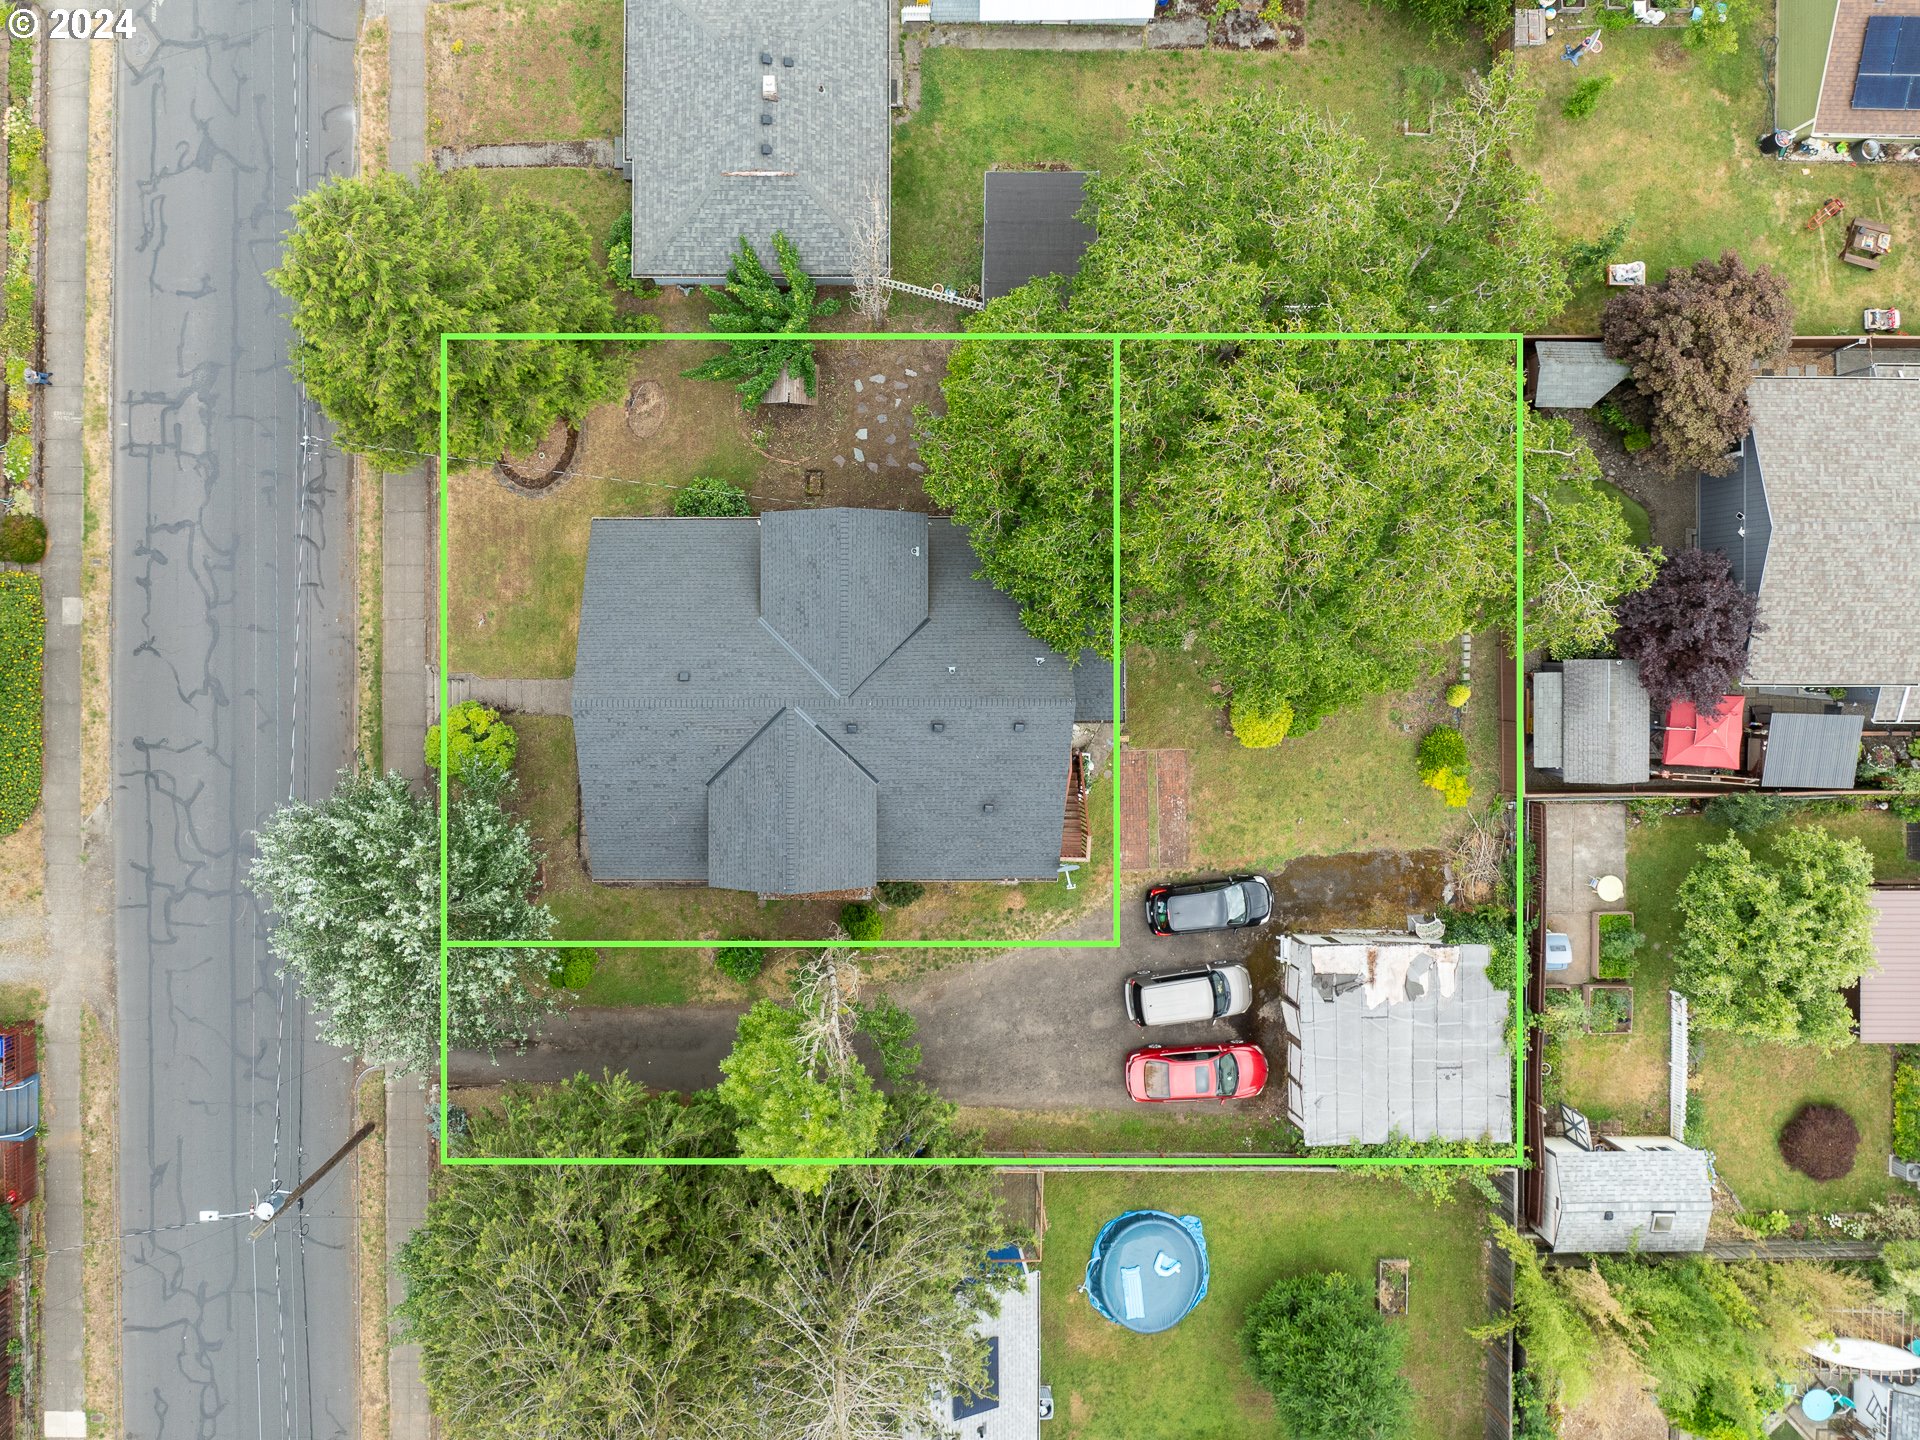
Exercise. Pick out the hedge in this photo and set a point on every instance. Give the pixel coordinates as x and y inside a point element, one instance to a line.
<point>23,624</point>
<point>1906,1110</point>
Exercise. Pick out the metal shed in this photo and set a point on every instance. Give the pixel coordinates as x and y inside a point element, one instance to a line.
<point>1811,752</point>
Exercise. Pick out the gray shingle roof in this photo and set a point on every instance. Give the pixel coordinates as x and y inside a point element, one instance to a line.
<point>969,712</point>
<point>694,111</point>
<point>1431,1067</point>
<point>1604,1200</point>
<point>1727,505</point>
<point>1839,455</point>
<point>791,814</point>
<point>1811,752</point>
<point>1606,723</point>
<point>1574,374</point>
<point>843,588</point>
<point>1032,227</point>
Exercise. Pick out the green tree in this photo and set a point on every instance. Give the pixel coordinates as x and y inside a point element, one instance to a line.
<point>378,267</point>
<point>772,322</point>
<point>1332,1363</point>
<point>1767,946</point>
<point>476,736</point>
<point>794,1083</point>
<point>355,882</point>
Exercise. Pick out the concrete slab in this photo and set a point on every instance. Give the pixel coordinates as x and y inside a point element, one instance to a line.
<point>1583,841</point>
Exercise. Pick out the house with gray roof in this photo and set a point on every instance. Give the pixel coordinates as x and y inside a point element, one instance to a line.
<point>812,701</point>
<point>1390,1035</point>
<point>756,116</point>
<point>1593,722</point>
<point>1645,1193</point>
<point>1820,520</point>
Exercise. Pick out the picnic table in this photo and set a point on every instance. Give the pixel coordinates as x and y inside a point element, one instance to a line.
<point>1868,242</point>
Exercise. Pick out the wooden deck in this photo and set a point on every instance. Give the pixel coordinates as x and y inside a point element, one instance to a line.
<point>1076,834</point>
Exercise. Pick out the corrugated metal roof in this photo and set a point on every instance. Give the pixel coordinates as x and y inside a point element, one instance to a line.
<point>791,814</point>
<point>1033,227</point>
<point>1574,374</point>
<point>1371,1063</point>
<point>1605,1200</point>
<point>694,127</point>
<point>1811,752</point>
<point>667,598</point>
<point>1607,721</point>
<point>1890,995</point>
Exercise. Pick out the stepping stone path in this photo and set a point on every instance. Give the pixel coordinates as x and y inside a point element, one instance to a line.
<point>860,434</point>
<point>840,460</point>
<point>859,386</point>
<point>858,455</point>
<point>878,379</point>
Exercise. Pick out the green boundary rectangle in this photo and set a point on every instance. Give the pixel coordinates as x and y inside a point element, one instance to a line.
<point>1518,1156</point>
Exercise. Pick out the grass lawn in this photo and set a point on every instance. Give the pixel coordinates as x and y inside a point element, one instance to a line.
<point>1639,523</point>
<point>1190,1381</point>
<point>1349,785</point>
<point>548,800</point>
<point>980,108</point>
<point>1243,1129</point>
<point>596,198</point>
<point>1748,1089</point>
<point>502,71</point>
<point>1671,146</point>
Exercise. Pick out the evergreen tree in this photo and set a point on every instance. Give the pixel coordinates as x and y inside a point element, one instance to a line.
<point>753,304</point>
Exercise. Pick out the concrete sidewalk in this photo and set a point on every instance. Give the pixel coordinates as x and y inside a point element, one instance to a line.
<point>406,1139</point>
<point>522,697</point>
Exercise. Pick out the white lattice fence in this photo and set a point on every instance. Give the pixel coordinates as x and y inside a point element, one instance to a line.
<point>1676,1065</point>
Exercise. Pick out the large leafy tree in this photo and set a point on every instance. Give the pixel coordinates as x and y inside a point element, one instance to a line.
<point>1320,1345</point>
<point>1581,559</point>
<point>379,267</point>
<point>1688,631</point>
<point>1690,344</point>
<point>1768,945</point>
<point>772,322</point>
<point>355,881</point>
<point>688,1304</point>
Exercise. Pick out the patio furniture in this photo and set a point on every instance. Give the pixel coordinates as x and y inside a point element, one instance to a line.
<point>1608,887</point>
<point>1632,272</point>
<point>1817,1406</point>
<point>1710,742</point>
<point>1868,242</point>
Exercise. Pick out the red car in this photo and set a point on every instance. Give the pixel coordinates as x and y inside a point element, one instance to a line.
<point>1184,1072</point>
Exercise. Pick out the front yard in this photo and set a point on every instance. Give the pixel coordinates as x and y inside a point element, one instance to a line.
<point>1191,1380</point>
<point>1747,1089</point>
<point>505,71</point>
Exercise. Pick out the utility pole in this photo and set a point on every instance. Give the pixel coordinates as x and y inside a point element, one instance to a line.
<point>273,1211</point>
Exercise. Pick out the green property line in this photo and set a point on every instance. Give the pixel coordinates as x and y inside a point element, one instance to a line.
<point>1518,1155</point>
<point>1519,1001</point>
<point>646,337</point>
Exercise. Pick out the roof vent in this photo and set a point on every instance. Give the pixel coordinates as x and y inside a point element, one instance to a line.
<point>1018,726</point>
<point>987,809</point>
<point>939,727</point>
<point>766,149</point>
<point>769,88</point>
<point>1039,659</point>
<point>787,61</point>
<point>766,57</point>
<point>853,727</point>
<point>953,669</point>
<point>765,119</point>
<point>684,676</point>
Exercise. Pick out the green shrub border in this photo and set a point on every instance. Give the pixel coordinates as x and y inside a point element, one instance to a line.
<point>1906,1109</point>
<point>23,624</point>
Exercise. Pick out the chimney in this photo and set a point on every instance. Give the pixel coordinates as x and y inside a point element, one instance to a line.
<point>769,87</point>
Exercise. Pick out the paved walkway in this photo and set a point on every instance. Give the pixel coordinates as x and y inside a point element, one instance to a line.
<point>405,687</point>
<point>1584,840</point>
<point>523,697</point>
<point>78,964</point>
<point>406,85</point>
<point>1154,787</point>
<point>406,1139</point>
<point>1034,37</point>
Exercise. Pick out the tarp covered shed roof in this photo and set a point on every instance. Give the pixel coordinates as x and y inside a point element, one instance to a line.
<point>1811,752</point>
<point>1890,995</point>
<point>1033,227</point>
<point>1574,374</point>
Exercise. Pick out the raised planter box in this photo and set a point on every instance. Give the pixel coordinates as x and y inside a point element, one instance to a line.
<point>1596,1014</point>
<point>1594,922</point>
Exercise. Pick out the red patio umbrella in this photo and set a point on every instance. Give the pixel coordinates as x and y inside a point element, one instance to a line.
<point>1711,742</point>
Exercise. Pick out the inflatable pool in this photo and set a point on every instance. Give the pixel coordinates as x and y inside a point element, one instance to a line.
<point>1149,1269</point>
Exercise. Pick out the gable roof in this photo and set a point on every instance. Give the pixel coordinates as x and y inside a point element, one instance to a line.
<point>1839,455</point>
<point>1032,227</point>
<point>697,122</point>
<point>843,588</point>
<point>1574,374</point>
<point>1606,723</point>
<point>1604,1200</point>
<point>965,728</point>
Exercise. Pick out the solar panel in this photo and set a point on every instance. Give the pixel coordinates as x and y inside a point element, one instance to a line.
<point>1889,65</point>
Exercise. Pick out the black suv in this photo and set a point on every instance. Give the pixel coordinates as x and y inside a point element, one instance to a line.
<point>1209,905</point>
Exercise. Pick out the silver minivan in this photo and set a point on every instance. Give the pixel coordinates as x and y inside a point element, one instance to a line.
<point>1188,996</point>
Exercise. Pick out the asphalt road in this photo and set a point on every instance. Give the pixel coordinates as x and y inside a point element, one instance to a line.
<point>231,679</point>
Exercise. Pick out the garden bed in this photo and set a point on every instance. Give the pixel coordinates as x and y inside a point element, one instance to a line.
<point>1609,1008</point>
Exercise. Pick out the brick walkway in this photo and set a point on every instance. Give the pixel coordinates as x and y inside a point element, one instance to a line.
<point>1154,821</point>
<point>1136,780</point>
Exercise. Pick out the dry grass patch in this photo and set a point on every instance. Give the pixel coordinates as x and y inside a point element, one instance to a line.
<point>373,61</point>
<point>368,588</point>
<point>23,876</point>
<point>99,1180</point>
<point>370,1178</point>
<point>503,71</point>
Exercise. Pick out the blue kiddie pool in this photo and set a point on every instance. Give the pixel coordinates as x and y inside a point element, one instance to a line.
<point>1149,1269</point>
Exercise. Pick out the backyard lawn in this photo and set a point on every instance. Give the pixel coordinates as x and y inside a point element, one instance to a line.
<point>505,71</point>
<point>1349,785</point>
<point>1190,1381</point>
<point>1748,1089</point>
<point>1671,145</point>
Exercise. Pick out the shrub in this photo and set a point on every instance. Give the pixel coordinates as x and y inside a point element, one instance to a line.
<point>1610,1012</point>
<point>1904,797</point>
<point>1484,925</point>
<point>900,893</point>
<point>1443,764</point>
<point>620,259</point>
<point>475,736</point>
<point>1260,728</point>
<point>891,1029</point>
<point>715,499</point>
<point>1820,1142</point>
<point>1765,1224</point>
<point>1332,1363</point>
<point>1585,96</point>
<point>23,539</point>
<point>1906,1110</point>
<point>1619,947</point>
<point>1747,811</point>
<point>1458,694</point>
<point>862,920</point>
<point>1565,1013</point>
<point>22,631</point>
<point>574,972</point>
<point>740,962</point>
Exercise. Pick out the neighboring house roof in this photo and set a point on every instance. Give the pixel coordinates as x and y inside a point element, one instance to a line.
<point>1860,92</point>
<point>1394,1036</point>
<point>1731,513</point>
<point>1890,995</point>
<point>1811,752</point>
<point>1839,455</point>
<point>713,159</point>
<point>1009,1408</point>
<point>738,724</point>
<point>1605,1200</point>
<point>1033,227</point>
<point>1606,723</point>
<point>1574,374</point>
